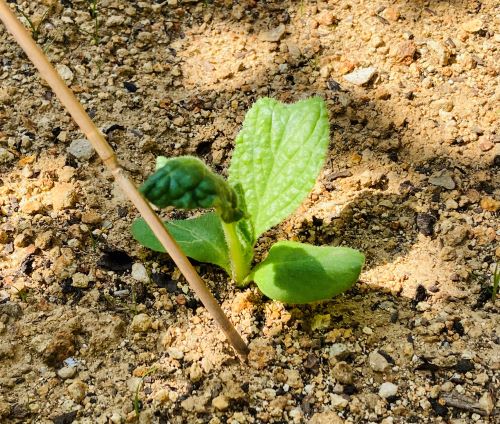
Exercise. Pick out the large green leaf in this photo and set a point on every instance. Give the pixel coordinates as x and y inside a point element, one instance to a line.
<point>278,155</point>
<point>200,238</point>
<point>301,273</point>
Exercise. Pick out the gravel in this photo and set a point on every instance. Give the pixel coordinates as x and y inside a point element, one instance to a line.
<point>412,180</point>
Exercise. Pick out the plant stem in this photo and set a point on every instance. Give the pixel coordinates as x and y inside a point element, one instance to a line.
<point>239,266</point>
<point>96,21</point>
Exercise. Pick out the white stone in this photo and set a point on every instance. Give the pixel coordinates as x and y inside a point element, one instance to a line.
<point>116,418</point>
<point>65,73</point>
<point>339,351</point>
<point>67,372</point>
<point>115,20</point>
<point>338,402</point>
<point>133,383</point>
<point>274,34</point>
<point>81,149</point>
<point>361,76</point>
<point>387,390</point>
<point>139,273</point>
<point>377,362</point>
<point>175,353</point>
<point>443,180</point>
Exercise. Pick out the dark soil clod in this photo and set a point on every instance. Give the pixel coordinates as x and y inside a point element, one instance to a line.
<point>115,260</point>
<point>464,365</point>
<point>425,223</point>
<point>66,418</point>
<point>130,86</point>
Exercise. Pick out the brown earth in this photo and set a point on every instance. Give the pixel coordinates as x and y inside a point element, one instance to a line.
<point>412,180</point>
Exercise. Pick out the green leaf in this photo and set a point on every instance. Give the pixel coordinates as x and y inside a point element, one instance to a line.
<point>200,238</point>
<point>278,155</point>
<point>187,183</point>
<point>161,161</point>
<point>301,273</point>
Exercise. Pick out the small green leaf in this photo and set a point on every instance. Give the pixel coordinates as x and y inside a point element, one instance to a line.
<point>161,161</point>
<point>301,273</point>
<point>200,238</point>
<point>187,183</point>
<point>278,155</point>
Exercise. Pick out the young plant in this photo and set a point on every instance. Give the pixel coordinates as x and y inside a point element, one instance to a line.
<point>94,14</point>
<point>34,27</point>
<point>496,282</point>
<point>137,403</point>
<point>277,158</point>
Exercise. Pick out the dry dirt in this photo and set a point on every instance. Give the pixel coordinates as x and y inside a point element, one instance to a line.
<point>95,329</point>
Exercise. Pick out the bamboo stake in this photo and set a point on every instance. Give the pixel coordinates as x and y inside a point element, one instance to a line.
<point>74,107</point>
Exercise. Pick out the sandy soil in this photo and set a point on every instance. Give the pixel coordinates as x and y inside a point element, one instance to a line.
<point>96,329</point>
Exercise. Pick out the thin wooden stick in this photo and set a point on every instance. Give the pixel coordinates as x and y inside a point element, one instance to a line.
<point>107,155</point>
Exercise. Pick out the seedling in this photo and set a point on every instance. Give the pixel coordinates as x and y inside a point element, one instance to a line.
<point>22,293</point>
<point>277,158</point>
<point>496,282</point>
<point>137,403</point>
<point>34,28</point>
<point>94,14</point>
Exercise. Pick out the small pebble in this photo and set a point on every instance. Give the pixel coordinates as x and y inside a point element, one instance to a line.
<point>387,390</point>
<point>474,25</point>
<point>338,401</point>
<point>377,362</point>
<point>141,323</point>
<point>361,76</point>
<point>81,149</point>
<point>368,331</point>
<point>80,280</point>
<point>67,372</point>
<point>443,180</point>
<point>140,273</point>
<point>65,73</point>
<point>220,403</point>
<point>273,35</point>
<point>77,390</point>
<point>339,351</point>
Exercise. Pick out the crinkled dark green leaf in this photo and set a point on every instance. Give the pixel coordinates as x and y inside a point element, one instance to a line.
<point>200,238</point>
<point>301,273</point>
<point>186,182</point>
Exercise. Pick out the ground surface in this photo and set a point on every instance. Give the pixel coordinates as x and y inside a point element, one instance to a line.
<point>412,179</point>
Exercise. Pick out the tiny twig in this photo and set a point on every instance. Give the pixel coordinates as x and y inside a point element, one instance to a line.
<point>455,400</point>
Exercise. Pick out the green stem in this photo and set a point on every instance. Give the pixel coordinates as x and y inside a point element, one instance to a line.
<point>239,266</point>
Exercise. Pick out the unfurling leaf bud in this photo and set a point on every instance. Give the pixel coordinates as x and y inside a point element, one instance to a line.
<point>187,183</point>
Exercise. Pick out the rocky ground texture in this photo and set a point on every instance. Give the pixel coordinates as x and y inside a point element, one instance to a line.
<point>96,329</point>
